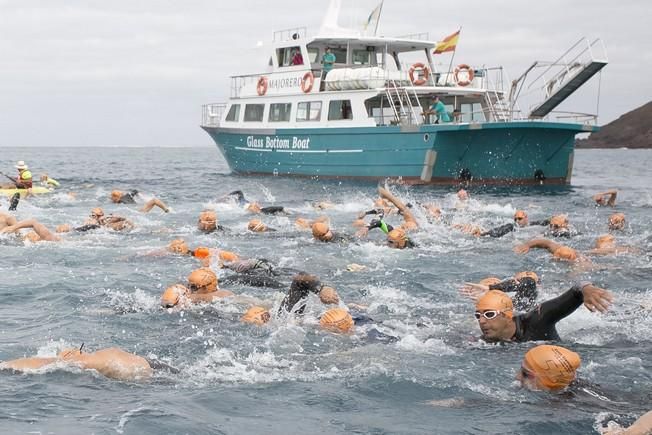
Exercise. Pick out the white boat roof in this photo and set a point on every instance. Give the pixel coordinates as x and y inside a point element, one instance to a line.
<point>399,45</point>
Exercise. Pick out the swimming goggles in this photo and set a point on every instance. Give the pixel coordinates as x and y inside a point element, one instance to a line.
<point>489,314</point>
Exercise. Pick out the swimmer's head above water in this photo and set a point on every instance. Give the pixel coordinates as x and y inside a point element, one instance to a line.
<point>207,221</point>
<point>617,221</point>
<point>548,368</point>
<point>178,246</point>
<point>337,320</point>
<point>202,280</point>
<point>256,316</point>
<point>397,238</point>
<point>321,231</point>
<point>565,253</point>
<point>174,295</point>
<point>257,226</point>
<point>520,218</point>
<point>494,312</point>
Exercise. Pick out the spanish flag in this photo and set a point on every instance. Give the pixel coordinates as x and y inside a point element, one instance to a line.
<point>449,43</point>
<point>374,15</point>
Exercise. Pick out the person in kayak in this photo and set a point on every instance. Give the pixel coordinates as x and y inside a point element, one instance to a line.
<point>22,181</point>
<point>494,312</point>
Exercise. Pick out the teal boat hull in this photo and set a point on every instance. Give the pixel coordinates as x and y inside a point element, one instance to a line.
<point>483,153</point>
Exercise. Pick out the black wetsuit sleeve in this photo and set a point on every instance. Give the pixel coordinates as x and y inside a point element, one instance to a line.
<point>554,310</point>
<point>87,227</point>
<point>525,289</point>
<point>543,223</point>
<point>499,231</point>
<point>409,243</point>
<point>127,198</point>
<point>272,209</point>
<point>302,285</point>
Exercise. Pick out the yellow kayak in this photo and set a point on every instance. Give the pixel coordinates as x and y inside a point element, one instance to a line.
<point>36,190</point>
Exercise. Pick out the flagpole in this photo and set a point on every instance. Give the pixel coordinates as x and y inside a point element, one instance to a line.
<point>450,66</point>
<point>378,19</point>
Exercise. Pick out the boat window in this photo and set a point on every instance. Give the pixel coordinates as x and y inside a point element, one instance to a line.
<point>312,55</point>
<point>309,111</point>
<point>280,112</point>
<point>340,54</point>
<point>254,112</point>
<point>339,109</point>
<point>289,56</point>
<point>234,113</point>
<point>361,57</point>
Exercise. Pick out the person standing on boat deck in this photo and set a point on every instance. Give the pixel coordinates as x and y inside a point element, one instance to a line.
<point>327,60</point>
<point>439,109</point>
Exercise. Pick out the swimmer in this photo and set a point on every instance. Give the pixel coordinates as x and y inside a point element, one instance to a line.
<point>558,227</point>
<point>48,182</point>
<point>607,198</point>
<point>525,290</point>
<point>606,245</point>
<point>548,368</point>
<point>113,363</point>
<point>202,288</point>
<point>495,313</point>
<point>337,320</point>
<point>254,207</point>
<point>257,226</point>
<point>296,298</point>
<point>40,231</point>
<point>97,217</point>
<point>321,231</point>
<point>410,222</point>
<point>179,246</point>
<point>119,197</point>
<point>236,196</point>
<point>207,222</point>
<point>13,202</point>
<point>256,316</point>
<point>617,222</point>
<point>520,220</point>
<point>558,251</point>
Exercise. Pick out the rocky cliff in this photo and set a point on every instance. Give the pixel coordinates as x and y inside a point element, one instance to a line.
<point>631,130</point>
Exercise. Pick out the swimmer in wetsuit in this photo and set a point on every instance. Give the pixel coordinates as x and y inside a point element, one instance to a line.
<point>520,220</point>
<point>548,368</point>
<point>119,197</point>
<point>607,198</point>
<point>525,290</point>
<point>202,288</point>
<point>558,251</point>
<point>494,312</point>
<point>207,222</point>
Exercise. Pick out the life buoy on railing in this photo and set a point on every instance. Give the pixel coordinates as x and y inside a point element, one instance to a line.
<point>307,82</point>
<point>261,86</point>
<point>426,73</point>
<point>464,69</point>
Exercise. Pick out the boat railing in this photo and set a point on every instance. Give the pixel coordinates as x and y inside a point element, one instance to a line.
<point>580,118</point>
<point>421,36</point>
<point>212,114</point>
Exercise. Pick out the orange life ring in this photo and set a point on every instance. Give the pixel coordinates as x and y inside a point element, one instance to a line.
<point>422,80</point>
<point>466,69</point>
<point>307,82</point>
<point>261,86</point>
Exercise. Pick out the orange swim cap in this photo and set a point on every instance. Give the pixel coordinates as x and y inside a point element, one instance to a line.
<point>520,214</point>
<point>320,231</point>
<point>496,300</point>
<point>491,280</point>
<point>207,220</point>
<point>97,212</point>
<point>397,238</point>
<point>202,252</point>
<point>554,366</point>
<point>228,256</point>
<point>329,296</point>
<point>256,316</point>
<point>257,226</point>
<point>604,241</point>
<point>253,207</point>
<point>178,246</point>
<point>559,221</point>
<point>173,294</point>
<point>617,221</point>
<point>202,280</point>
<point>462,194</point>
<point>337,320</point>
<point>116,195</point>
<point>527,274</point>
<point>565,253</point>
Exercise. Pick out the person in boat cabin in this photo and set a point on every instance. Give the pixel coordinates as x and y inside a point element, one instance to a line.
<point>438,109</point>
<point>297,58</point>
<point>327,60</point>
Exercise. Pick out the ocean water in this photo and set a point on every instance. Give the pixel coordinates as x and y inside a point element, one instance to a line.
<point>289,377</point>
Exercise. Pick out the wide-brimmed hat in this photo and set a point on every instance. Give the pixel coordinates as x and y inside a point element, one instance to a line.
<point>21,165</point>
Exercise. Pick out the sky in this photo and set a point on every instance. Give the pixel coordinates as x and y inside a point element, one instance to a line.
<point>136,72</point>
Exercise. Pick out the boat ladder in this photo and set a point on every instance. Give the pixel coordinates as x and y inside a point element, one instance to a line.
<point>401,103</point>
<point>565,75</point>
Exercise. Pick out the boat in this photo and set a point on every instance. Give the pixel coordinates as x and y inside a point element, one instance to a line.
<point>36,190</point>
<point>367,118</point>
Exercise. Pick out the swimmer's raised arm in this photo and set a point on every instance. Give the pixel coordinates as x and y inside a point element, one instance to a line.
<point>537,244</point>
<point>405,211</point>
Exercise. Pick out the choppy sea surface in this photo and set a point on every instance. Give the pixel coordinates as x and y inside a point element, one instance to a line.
<point>289,377</point>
